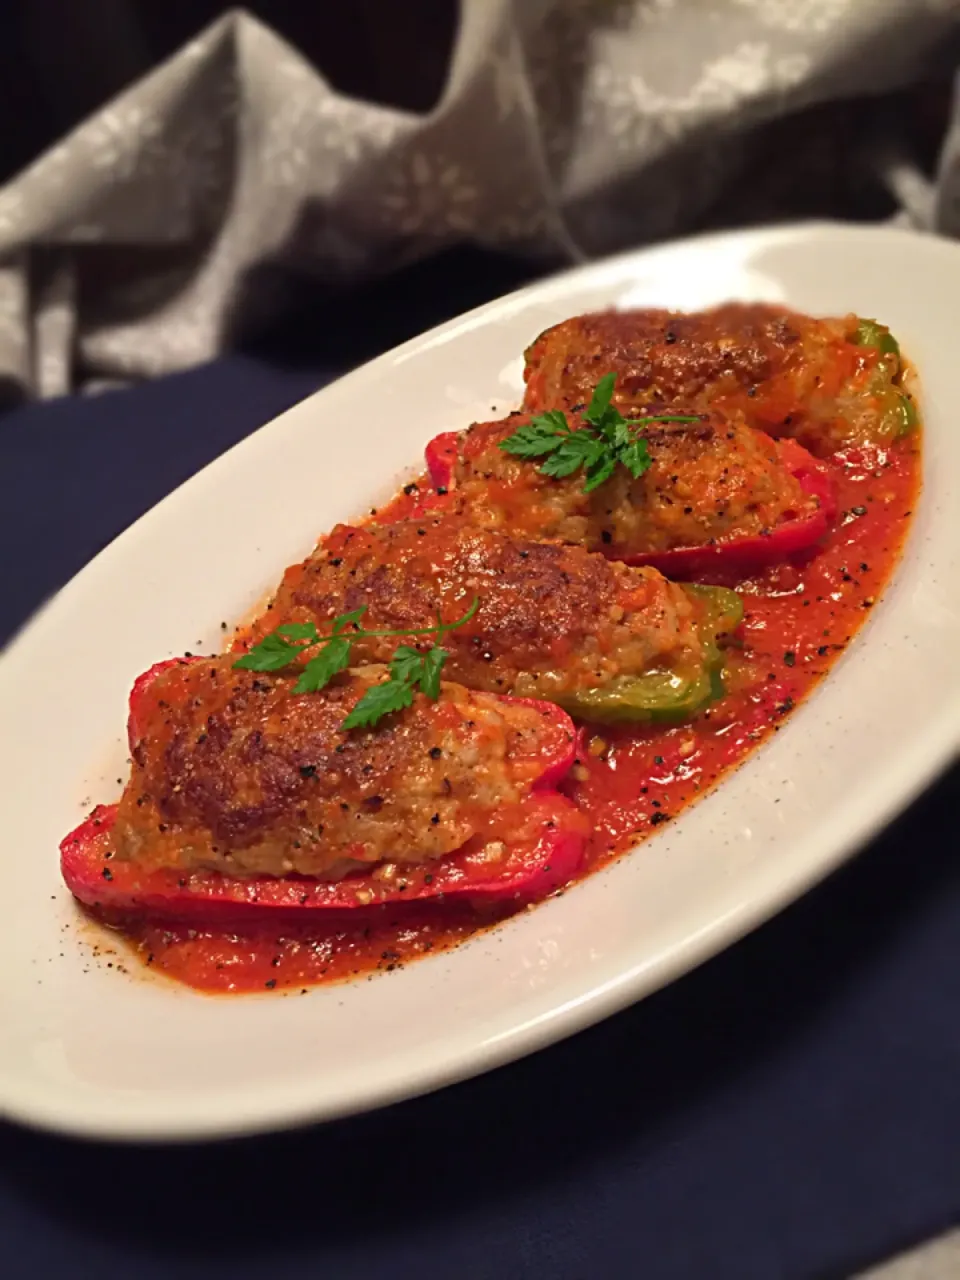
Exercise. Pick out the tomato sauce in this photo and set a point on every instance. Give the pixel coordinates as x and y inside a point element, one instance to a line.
<point>798,620</point>
<point>628,781</point>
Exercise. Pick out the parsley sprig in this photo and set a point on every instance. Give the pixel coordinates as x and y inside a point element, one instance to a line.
<point>409,668</point>
<point>607,439</point>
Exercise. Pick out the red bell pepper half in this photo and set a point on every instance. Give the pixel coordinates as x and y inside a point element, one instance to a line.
<point>546,854</point>
<point>140,687</point>
<point>793,535</point>
<point>528,870</point>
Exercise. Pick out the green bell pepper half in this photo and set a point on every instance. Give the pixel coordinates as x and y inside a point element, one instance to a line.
<point>663,695</point>
<point>900,411</point>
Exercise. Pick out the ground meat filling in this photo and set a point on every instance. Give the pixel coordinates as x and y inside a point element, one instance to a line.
<point>788,374</point>
<point>710,481</point>
<point>234,772</point>
<point>551,619</point>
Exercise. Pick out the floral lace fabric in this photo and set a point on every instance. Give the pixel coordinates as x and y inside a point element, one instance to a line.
<point>567,129</point>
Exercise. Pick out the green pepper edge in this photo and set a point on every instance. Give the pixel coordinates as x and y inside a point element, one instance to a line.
<point>723,615</point>
<point>871,333</point>
<point>909,418</point>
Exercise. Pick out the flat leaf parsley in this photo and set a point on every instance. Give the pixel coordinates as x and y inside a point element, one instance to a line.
<point>409,670</point>
<point>607,439</point>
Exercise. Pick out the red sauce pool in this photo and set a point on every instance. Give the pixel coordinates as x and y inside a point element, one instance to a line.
<point>629,781</point>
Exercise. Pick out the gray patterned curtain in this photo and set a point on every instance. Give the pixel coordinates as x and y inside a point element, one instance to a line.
<point>142,241</point>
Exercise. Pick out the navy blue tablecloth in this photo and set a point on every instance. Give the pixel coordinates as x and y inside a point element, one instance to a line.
<point>791,1110</point>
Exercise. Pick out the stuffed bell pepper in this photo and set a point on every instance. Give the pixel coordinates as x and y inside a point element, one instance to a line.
<point>690,494</point>
<point>831,384</point>
<point>604,640</point>
<point>248,800</point>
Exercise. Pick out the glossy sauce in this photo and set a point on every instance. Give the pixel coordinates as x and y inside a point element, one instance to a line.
<point>799,619</point>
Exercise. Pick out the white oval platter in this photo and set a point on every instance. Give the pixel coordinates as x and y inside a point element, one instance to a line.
<point>87,1051</point>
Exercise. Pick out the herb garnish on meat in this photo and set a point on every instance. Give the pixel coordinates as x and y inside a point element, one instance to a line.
<point>607,439</point>
<point>410,669</point>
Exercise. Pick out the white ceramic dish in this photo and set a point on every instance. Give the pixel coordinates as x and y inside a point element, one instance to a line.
<point>85,1050</point>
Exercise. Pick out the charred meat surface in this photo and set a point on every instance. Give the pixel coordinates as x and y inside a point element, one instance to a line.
<point>551,620</point>
<point>817,380</point>
<point>234,772</point>
<point>709,480</point>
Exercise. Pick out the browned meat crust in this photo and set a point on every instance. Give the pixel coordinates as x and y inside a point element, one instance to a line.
<point>787,374</point>
<point>709,481</point>
<point>551,619</point>
<point>233,771</point>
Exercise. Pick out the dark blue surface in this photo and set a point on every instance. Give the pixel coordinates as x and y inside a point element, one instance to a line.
<point>790,1110</point>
